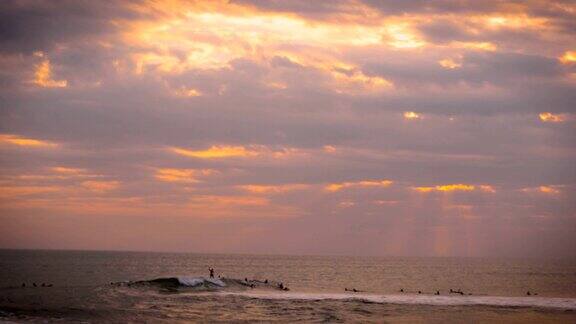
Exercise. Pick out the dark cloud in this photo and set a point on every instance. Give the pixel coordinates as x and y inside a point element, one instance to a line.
<point>28,26</point>
<point>476,69</point>
<point>302,7</point>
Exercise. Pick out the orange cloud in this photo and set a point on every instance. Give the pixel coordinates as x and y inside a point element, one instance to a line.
<point>487,188</point>
<point>230,31</point>
<point>449,63</point>
<point>569,57</point>
<point>550,190</point>
<point>518,21</point>
<point>70,171</point>
<point>23,141</point>
<point>186,92</point>
<point>352,81</point>
<point>411,115</point>
<point>449,188</point>
<point>100,186</point>
<point>16,191</point>
<point>329,149</point>
<point>548,117</point>
<point>401,35</point>
<point>182,175</point>
<point>251,151</point>
<point>265,189</point>
<point>43,76</point>
<point>366,183</point>
<point>216,151</point>
<point>482,46</point>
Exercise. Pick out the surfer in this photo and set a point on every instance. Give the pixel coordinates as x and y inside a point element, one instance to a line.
<point>211,272</point>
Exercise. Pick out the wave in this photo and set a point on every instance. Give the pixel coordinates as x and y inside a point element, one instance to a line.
<point>200,281</point>
<point>203,283</point>
<point>409,299</point>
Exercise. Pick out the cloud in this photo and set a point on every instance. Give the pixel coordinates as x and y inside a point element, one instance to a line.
<point>24,141</point>
<point>42,25</point>
<point>548,190</point>
<point>265,189</point>
<point>215,152</point>
<point>359,184</point>
<point>455,187</point>
<point>411,115</point>
<point>549,117</point>
<point>182,175</point>
<point>100,186</point>
<point>43,77</point>
<point>568,57</point>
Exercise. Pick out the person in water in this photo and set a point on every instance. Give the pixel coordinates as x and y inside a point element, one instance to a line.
<point>211,272</point>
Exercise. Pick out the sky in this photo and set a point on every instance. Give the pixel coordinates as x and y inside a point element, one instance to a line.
<point>353,127</point>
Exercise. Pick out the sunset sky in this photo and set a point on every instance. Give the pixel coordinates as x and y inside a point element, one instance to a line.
<point>358,127</point>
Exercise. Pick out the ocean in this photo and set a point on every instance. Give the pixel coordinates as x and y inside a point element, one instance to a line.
<point>101,286</point>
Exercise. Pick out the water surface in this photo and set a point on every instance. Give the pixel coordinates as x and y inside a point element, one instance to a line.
<point>493,289</point>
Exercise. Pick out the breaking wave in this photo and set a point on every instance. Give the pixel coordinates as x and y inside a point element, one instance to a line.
<point>203,283</point>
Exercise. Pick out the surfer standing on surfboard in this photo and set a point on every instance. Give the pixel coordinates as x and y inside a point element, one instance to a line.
<point>211,272</point>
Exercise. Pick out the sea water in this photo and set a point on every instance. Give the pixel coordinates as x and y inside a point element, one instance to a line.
<point>103,287</point>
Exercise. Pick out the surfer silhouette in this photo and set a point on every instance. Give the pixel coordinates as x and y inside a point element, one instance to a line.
<point>211,272</point>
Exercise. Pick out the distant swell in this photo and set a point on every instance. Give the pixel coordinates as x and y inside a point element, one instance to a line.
<point>537,302</point>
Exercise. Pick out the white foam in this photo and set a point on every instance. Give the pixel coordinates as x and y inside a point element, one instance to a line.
<point>197,281</point>
<point>539,302</point>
